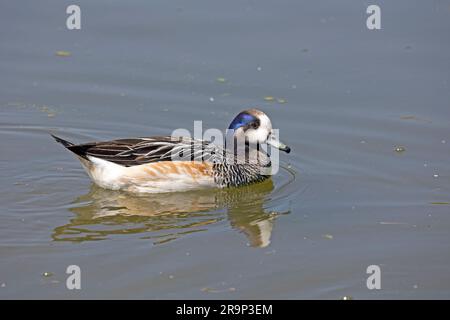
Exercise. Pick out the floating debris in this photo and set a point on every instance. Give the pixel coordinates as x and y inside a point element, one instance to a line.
<point>435,175</point>
<point>221,80</point>
<point>211,290</point>
<point>347,298</point>
<point>272,99</point>
<point>49,111</point>
<point>328,236</point>
<point>20,183</point>
<point>440,203</point>
<point>399,149</point>
<point>392,223</point>
<point>63,53</point>
<point>47,274</point>
<point>211,99</point>
<point>411,117</point>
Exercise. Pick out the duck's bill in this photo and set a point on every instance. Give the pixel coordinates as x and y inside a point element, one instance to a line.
<point>274,142</point>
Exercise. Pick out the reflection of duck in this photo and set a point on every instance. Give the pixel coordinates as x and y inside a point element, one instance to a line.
<point>167,216</point>
<point>168,164</point>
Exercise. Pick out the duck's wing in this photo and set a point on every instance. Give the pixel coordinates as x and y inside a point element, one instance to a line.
<point>137,151</point>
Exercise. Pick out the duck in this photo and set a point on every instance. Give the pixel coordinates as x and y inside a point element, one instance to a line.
<point>161,164</point>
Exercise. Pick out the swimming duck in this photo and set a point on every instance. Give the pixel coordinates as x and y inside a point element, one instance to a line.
<point>169,163</point>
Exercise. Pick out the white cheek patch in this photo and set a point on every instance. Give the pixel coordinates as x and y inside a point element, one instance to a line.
<point>265,122</point>
<point>258,135</point>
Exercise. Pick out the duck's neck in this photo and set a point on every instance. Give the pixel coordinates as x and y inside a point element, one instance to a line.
<point>232,175</point>
<point>246,153</point>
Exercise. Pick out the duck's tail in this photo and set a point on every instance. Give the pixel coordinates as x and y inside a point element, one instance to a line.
<point>65,143</point>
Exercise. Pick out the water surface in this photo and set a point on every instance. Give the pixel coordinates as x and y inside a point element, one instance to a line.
<point>366,114</point>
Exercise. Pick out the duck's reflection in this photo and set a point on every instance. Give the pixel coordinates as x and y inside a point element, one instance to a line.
<point>164,217</point>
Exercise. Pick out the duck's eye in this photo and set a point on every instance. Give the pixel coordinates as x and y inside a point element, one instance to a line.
<point>253,125</point>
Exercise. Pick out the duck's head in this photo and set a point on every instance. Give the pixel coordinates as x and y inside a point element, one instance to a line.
<point>255,127</point>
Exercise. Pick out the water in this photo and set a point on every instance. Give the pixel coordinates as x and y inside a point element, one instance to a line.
<point>366,114</point>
